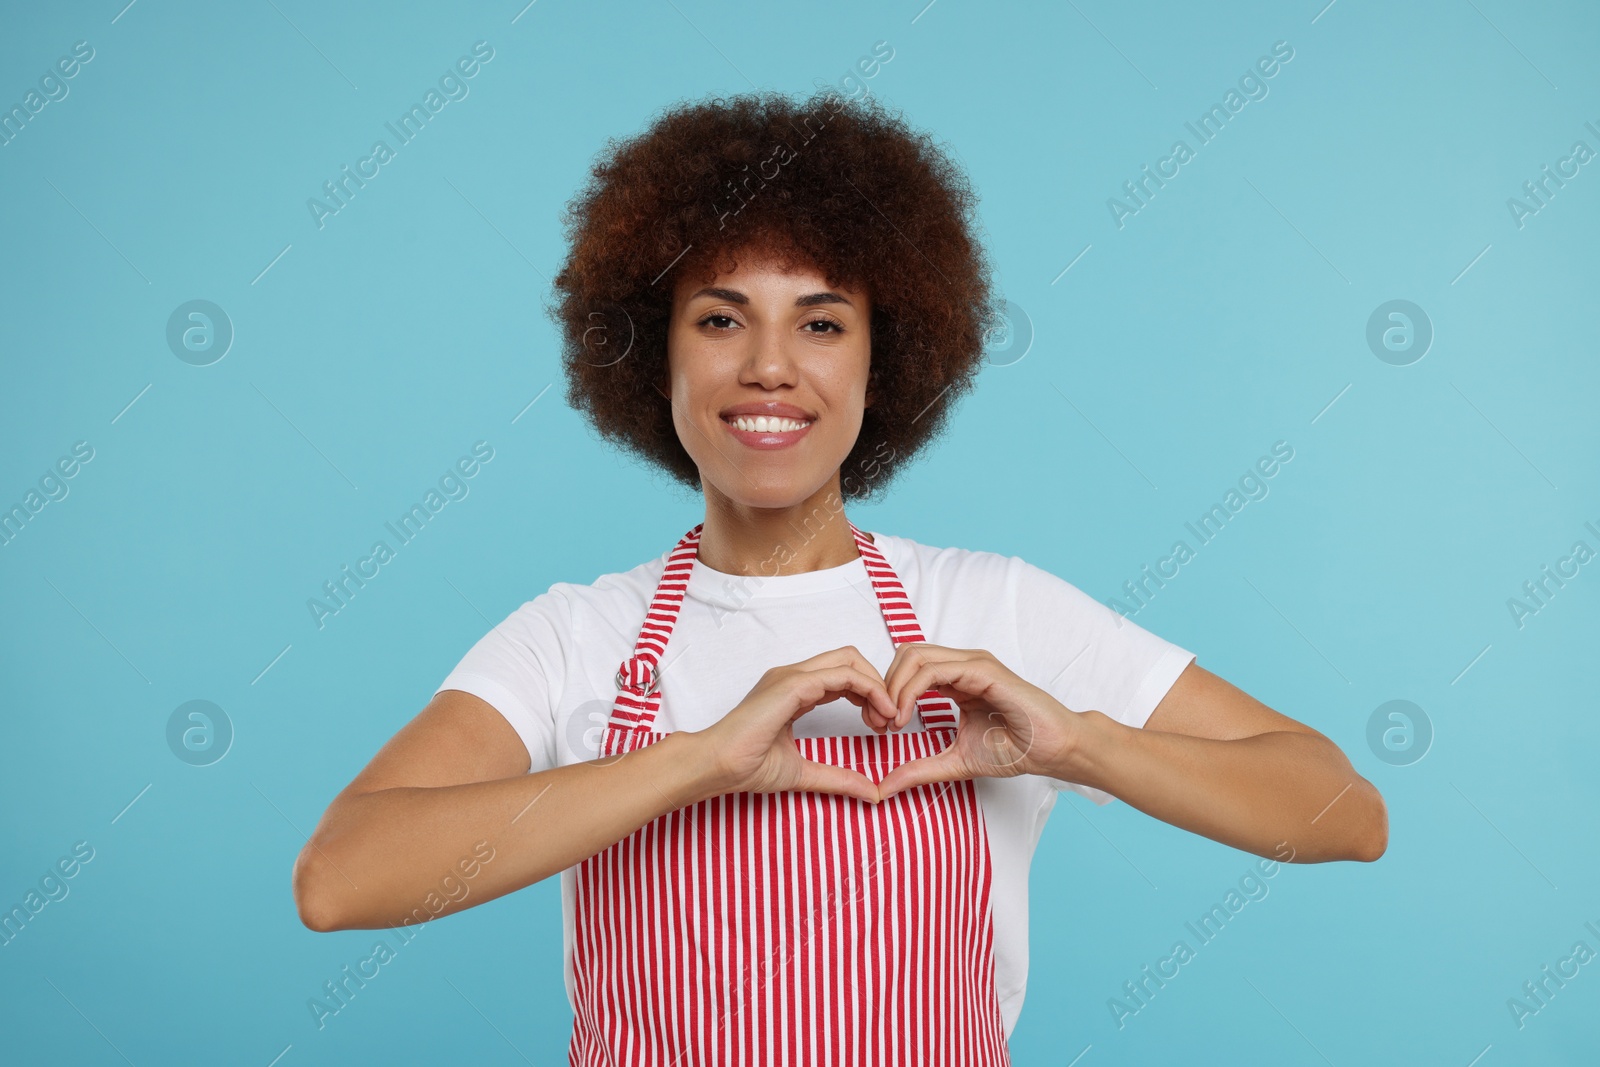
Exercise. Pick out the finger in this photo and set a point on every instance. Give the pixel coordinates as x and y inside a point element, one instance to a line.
<point>877,722</point>
<point>869,690</point>
<point>906,658</point>
<point>825,778</point>
<point>963,675</point>
<point>874,717</point>
<point>940,767</point>
<point>909,658</point>
<point>844,656</point>
<point>871,714</point>
<point>829,683</point>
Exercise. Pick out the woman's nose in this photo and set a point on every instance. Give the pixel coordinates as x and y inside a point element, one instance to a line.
<point>769,358</point>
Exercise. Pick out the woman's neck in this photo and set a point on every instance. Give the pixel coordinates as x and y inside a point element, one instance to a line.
<point>809,536</point>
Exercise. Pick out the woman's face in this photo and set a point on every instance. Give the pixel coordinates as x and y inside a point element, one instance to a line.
<point>754,340</point>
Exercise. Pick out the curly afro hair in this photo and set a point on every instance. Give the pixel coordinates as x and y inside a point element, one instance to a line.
<point>832,182</point>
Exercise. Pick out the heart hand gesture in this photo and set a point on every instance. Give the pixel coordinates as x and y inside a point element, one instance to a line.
<point>753,749</point>
<point>1007,726</point>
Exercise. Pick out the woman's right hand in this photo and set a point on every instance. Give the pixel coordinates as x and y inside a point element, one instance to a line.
<point>752,747</point>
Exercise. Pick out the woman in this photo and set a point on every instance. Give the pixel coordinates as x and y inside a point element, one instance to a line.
<point>792,772</point>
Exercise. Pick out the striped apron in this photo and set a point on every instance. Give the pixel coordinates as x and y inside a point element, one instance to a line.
<point>793,928</point>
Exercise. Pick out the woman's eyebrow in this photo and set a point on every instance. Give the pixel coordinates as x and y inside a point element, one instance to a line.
<point>820,298</point>
<point>733,296</point>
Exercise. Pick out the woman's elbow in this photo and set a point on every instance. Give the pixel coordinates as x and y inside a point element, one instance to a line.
<point>1374,841</point>
<point>312,899</point>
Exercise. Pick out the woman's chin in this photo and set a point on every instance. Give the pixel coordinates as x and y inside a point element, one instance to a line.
<point>759,489</point>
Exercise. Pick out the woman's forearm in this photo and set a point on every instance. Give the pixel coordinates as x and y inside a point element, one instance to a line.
<point>395,856</point>
<point>1281,794</point>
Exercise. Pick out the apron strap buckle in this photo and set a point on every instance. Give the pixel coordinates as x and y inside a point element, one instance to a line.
<point>639,675</point>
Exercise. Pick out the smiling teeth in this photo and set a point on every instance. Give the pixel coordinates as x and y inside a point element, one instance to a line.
<point>767,423</point>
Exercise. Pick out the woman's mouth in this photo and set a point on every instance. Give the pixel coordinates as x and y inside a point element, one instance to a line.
<point>766,431</point>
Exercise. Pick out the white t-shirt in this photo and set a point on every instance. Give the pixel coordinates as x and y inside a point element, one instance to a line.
<point>550,669</point>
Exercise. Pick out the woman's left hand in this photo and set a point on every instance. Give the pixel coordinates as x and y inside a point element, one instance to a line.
<point>1007,726</point>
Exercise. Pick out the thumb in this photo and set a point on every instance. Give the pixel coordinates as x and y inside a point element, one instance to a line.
<point>940,767</point>
<point>825,778</point>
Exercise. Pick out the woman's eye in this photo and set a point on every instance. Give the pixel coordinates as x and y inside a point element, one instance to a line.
<point>721,322</point>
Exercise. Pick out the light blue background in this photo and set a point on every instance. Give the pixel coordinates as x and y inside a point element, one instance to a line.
<point>1228,314</point>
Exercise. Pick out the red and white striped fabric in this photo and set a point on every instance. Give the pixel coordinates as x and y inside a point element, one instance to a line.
<point>791,928</point>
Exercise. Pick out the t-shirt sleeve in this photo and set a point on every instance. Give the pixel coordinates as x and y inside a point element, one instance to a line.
<point>1089,656</point>
<point>519,668</point>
